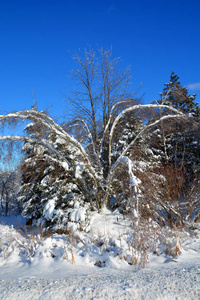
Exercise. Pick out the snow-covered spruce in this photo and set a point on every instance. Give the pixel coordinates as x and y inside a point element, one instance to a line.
<point>50,189</point>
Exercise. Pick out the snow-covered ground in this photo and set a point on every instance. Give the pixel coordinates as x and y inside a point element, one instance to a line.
<point>37,267</point>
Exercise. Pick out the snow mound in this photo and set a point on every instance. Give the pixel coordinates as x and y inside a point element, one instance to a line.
<point>101,263</point>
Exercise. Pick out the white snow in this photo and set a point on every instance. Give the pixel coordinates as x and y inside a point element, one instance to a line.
<point>77,215</point>
<point>78,170</point>
<point>49,209</point>
<point>135,213</point>
<point>65,165</point>
<point>36,267</point>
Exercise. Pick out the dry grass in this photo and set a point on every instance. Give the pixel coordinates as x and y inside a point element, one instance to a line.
<point>147,234</point>
<point>173,242</point>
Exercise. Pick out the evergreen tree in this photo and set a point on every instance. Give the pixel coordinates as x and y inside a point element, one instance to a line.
<point>176,95</point>
<point>178,141</point>
<point>51,196</point>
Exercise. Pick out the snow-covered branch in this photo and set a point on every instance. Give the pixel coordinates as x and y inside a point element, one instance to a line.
<point>109,121</point>
<point>61,160</point>
<point>48,123</point>
<point>149,126</point>
<point>132,108</point>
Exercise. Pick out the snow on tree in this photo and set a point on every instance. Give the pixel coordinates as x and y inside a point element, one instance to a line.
<point>84,171</point>
<point>66,176</point>
<point>50,190</point>
<point>178,141</point>
<point>141,161</point>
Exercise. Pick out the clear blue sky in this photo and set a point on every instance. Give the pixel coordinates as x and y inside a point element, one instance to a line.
<point>154,37</point>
